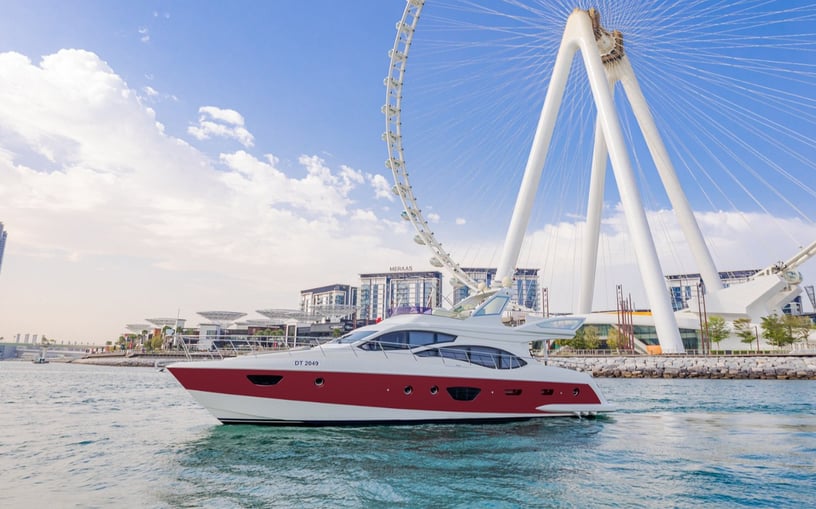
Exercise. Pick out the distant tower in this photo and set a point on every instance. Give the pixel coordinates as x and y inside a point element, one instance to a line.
<point>3,235</point>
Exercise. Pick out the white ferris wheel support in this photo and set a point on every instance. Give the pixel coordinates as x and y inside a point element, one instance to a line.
<point>393,138</point>
<point>606,64</point>
<point>620,70</point>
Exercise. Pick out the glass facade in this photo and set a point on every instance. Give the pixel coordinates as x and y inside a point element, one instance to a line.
<point>526,290</point>
<point>331,295</point>
<point>392,293</point>
<point>682,287</point>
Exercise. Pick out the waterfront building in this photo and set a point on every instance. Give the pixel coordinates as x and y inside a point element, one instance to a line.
<point>401,290</point>
<point>526,291</point>
<point>794,307</point>
<point>3,236</point>
<point>640,324</point>
<point>682,287</point>
<point>336,295</point>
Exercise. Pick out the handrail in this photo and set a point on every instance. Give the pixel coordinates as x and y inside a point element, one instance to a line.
<point>233,345</point>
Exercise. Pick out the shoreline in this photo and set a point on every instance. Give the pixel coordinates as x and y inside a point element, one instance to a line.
<point>136,360</point>
<point>782,367</point>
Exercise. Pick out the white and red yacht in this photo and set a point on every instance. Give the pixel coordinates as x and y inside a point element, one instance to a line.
<point>441,367</point>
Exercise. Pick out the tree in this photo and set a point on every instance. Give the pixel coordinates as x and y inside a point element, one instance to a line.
<point>717,329</point>
<point>156,342</point>
<point>775,331</point>
<point>614,339</point>
<point>591,338</point>
<point>742,328</point>
<point>798,327</point>
<point>577,341</point>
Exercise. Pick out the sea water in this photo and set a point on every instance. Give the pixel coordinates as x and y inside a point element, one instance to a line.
<point>92,436</point>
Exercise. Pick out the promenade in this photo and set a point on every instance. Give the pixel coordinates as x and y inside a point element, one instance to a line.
<point>773,367</point>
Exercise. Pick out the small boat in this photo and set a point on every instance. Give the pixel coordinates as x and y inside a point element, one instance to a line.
<point>462,365</point>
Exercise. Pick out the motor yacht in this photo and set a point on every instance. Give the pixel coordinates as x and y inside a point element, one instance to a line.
<point>460,365</point>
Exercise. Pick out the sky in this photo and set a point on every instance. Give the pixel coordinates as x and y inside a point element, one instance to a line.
<point>163,158</point>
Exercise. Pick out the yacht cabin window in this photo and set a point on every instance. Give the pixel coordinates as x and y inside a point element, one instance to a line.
<point>354,336</point>
<point>486,356</point>
<point>494,306</point>
<point>402,340</point>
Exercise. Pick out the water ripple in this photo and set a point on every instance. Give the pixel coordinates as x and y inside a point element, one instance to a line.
<point>87,436</point>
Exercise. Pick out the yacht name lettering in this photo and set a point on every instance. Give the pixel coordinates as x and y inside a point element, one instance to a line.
<point>307,363</point>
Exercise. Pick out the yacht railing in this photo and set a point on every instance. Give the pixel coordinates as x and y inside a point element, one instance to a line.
<point>219,347</point>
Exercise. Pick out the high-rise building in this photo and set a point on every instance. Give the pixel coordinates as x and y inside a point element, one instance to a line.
<point>525,288</point>
<point>3,236</point>
<point>398,291</point>
<point>328,296</point>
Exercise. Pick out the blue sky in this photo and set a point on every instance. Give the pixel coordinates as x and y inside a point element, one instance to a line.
<point>248,56</point>
<point>169,157</point>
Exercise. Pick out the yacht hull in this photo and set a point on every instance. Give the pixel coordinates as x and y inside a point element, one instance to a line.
<point>406,369</point>
<point>329,398</point>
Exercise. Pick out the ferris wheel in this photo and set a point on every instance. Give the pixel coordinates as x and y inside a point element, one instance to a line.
<point>406,28</point>
<point>732,91</point>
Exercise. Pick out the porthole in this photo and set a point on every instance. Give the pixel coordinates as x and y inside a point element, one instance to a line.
<point>408,390</point>
<point>319,381</point>
<point>576,391</point>
<point>434,389</point>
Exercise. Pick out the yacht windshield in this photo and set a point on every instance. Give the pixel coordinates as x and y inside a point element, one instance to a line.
<point>353,336</point>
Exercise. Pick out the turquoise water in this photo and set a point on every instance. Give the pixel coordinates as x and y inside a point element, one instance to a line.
<point>91,436</point>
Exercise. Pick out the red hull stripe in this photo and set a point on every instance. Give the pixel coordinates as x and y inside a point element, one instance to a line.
<point>408,392</point>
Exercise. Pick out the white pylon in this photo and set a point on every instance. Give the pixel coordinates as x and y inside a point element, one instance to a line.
<point>620,70</point>
<point>606,64</point>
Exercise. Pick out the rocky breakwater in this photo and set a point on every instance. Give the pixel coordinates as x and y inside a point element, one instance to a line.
<point>736,367</point>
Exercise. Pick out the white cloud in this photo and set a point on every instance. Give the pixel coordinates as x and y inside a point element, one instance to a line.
<point>144,34</point>
<point>432,217</point>
<point>111,220</point>
<point>382,186</point>
<point>223,123</point>
<point>460,220</point>
<point>736,240</point>
<point>224,115</point>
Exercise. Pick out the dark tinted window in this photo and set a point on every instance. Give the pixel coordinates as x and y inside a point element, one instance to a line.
<point>486,356</point>
<point>353,336</point>
<point>406,339</point>
<point>264,379</point>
